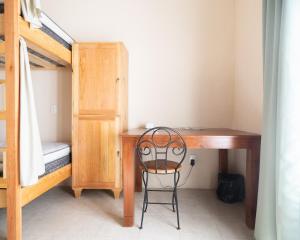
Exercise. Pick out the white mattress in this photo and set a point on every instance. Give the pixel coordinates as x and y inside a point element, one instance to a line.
<point>55,28</point>
<point>55,150</point>
<point>51,150</point>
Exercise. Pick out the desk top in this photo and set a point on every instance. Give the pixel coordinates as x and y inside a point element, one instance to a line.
<point>217,132</point>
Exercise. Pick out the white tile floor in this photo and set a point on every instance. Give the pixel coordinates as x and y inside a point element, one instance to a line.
<point>96,215</point>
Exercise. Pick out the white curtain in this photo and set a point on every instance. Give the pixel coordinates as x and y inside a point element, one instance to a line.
<point>31,10</point>
<point>31,155</point>
<point>278,209</point>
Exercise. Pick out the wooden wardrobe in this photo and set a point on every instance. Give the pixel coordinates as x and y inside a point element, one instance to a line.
<point>100,72</point>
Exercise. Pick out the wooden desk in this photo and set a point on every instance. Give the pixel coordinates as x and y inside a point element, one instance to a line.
<point>221,139</point>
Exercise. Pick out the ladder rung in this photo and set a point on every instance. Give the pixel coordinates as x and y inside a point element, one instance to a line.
<point>3,149</point>
<point>2,48</point>
<point>2,115</point>
<point>3,183</point>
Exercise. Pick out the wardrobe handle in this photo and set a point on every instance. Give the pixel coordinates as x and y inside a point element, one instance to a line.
<point>118,153</point>
<point>118,79</point>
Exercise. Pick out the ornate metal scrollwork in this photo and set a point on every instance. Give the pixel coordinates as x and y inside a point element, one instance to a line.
<point>161,144</point>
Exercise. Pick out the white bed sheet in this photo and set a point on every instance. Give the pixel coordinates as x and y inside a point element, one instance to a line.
<point>51,151</point>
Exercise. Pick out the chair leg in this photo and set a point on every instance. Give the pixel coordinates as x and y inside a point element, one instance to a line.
<point>173,201</point>
<point>176,180</point>
<point>147,200</point>
<point>145,203</point>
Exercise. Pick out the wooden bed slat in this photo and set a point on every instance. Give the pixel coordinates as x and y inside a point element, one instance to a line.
<point>45,183</point>
<point>36,60</point>
<point>43,41</point>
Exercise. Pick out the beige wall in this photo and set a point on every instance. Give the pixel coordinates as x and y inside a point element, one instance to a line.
<point>248,82</point>
<point>192,63</point>
<point>181,61</point>
<point>53,88</point>
<point>180,54</point>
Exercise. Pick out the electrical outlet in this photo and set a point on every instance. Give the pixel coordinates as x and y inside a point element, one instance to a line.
<point>192,159</point>
<point>53,109</point>
<point>192,162</point>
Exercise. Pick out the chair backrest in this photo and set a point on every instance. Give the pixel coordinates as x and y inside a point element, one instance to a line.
<point>160,145</point>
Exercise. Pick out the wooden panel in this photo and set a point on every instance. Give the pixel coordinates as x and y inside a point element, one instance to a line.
<point>14,210</point>
<point>3,197</point>
<point>122,87</point>
<point>45,183</point>
<point>97,78</point>
<point>44,42</point>
<point>118,166</point>
<point>96,152</point>
<point>75,92</point>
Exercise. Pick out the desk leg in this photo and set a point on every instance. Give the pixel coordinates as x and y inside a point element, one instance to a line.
<point>252,175</point>
<point>128,153</point>
<point>223,160</point>
<point>138,175</point>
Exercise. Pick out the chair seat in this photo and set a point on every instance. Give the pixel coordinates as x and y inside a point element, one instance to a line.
<point>161,167</point>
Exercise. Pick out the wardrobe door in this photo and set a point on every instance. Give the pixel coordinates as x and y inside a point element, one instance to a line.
<point>96,152</point>
<point>97,78</point>
<point>99,115</point>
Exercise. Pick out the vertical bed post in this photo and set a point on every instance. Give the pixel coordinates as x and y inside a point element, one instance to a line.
<point>11,33</point>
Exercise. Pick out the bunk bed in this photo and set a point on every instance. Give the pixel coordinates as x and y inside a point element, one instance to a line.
<point>49,48</point>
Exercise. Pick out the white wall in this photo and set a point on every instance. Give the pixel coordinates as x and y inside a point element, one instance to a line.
<point>192,63</point>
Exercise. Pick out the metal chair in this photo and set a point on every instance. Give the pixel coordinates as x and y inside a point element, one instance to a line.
<point>161,150</point>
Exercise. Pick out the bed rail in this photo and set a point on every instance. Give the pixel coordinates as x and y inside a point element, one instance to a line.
<point>44,51</point>
<point>45,183</point>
